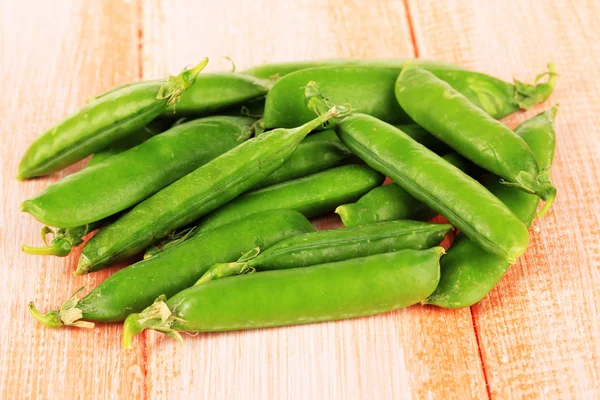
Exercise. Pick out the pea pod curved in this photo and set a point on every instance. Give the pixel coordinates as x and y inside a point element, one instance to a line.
<point>345,289</point>
<point>311,195</point>
<point>103,121</point>
<point>432,180</point>
<point>335,245</point>
<point>468,274</point>
<point>133,288</point>
<point>455,120</point>
<point>391,202</point>
<point>195,195</point>
<point>124,180</point>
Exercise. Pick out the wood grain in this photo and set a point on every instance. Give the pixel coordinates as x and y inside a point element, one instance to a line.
<point>536,335</point>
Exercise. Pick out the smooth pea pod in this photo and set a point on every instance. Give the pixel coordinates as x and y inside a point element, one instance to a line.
<point>125,179</point>
<point>345,289</point>
<point>391,202</point>
<point>468,273</point>
<point>311,195</point>
<point>455,120</point>
<point>134,288</point>
<point>432,180</point>
<point>103,121</point>
<point>152,129</point>
<point>334,245</point>
<point>195,195</point>
<point>370,90</point>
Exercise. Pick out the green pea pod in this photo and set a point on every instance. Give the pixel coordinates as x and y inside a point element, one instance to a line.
<point>103,121</point>
<point>316,153</point>
<point>391,202</point>
<point>468,274</point>
<point>435,182</point>
<point>370,91</point>
<point>345,289</point>
<point>334,245</point>
<point>134,288</point>
<point>152,129</point>
<point>310,195</point>
<point>455,120</point>
<point>279,70</point>
<point>425,138</point>
<point>195,195</point>
<point>124,180</point>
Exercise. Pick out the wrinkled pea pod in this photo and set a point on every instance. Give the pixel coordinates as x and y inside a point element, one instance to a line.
<point>135,287</point>
<point>455,120</point>
<point>370,90</point>
<point>468,273</point>
<point>334,245</point>
<point>124,180</point>
<point>391,202</point>
<point>195,195</point>
<point>345,289</point>
<point>103,121</point>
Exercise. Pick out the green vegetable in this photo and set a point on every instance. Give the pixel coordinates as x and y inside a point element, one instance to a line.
<point>103,121</point>
<point>435,182</point>
<point>195,195</point>
<point>135,287</point>
<point>335,245</point>
<point>125,179</point>
<point>455,120</point>
<point>468,273</point>
<point>63,240</point>
<point>391,202</point>
<point>345,289</point>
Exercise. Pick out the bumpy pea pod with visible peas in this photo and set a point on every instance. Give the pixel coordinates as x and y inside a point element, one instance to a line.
<point>195,195</point>
<point>455,120</point>
<point>391,202</point>
<point>103,121</point>
<point>152,129</point>
<point>125,179</point>
<point>345,289</point>
<point>311,195</point>
<point>370,91</point>
<point>334,245</point>
<point>468,273</point>
<point>437,183</point>
<point>135,287</point>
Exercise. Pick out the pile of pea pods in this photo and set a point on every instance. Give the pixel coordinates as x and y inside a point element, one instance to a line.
<point>206,182</point>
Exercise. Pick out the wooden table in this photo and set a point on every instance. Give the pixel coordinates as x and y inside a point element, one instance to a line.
<point>536,336</point>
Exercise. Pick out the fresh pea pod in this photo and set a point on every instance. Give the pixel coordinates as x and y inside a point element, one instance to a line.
<point>391,202</point>
<point>103,121</point>
<point>435,182</point>
<point>310,195</point>
<point>455,120</point>
<point>334,245</point>
<point>195,195</point>
<point>468,273</point>
<point>369,91</point>
<point>425,138</point>
<point>124,180</point>
<point>316,153</point>
<point>344,289</point>
<point>135,287</point>
<point>152,129</point>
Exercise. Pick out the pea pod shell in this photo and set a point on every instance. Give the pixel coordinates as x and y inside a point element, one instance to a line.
<point>441,186</point>
<point>127,178</point>
<point>468,274</point>
<point>345,289</point>
<point>133,288</point>
<point>194,195</point>
<point>311,195</point>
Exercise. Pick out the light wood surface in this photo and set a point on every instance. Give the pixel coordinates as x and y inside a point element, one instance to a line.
<point>536,336</point>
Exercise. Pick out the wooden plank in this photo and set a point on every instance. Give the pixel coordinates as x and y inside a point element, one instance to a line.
<point>54,57</point>
<point>539,329</point>
<point>415,353</point>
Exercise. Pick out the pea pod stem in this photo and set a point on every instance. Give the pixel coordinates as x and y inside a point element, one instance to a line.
<point>67,315</point>
<point>224,270</point>
<point>527,95</point>
<point>177,84</point>
<point>158,317</point>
